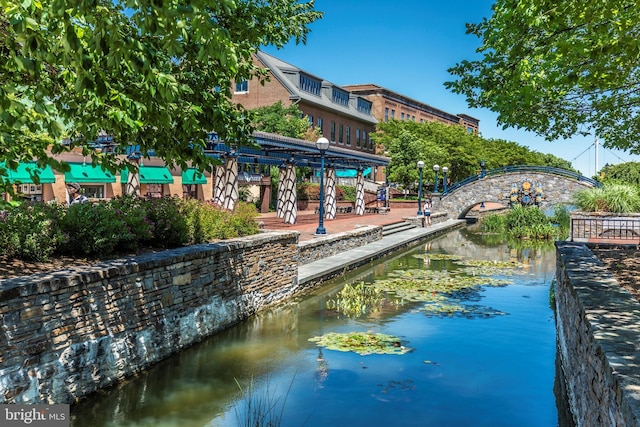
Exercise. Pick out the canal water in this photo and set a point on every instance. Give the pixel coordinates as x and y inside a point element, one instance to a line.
<point>483,356</point>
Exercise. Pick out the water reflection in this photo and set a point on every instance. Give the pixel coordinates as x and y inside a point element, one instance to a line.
<point>485,369</point>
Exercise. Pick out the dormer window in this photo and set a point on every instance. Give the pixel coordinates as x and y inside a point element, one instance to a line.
<point>309,84</point>
<point>340,96</point>
<point>364,106</point>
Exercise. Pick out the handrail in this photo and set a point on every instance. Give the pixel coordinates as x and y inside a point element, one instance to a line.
<point>517,169</point>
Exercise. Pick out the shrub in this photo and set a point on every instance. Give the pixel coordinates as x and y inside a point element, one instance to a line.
<point>170,226</point>
<point>94,229</point>
<point>31,231</point>
<point>616,198</point>
<point>132,210</point>
<point>493,223</point>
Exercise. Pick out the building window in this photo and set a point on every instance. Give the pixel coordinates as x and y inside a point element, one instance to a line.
<point>189,191</point>
<point>320,125</point>
<point>340,133</point>
<point>364,106</point>
<point>93,191</point>
<point>358,138</point>
<point>340,96</point>
<point>309,84</point>
<point>386,114</point>
<point>310,121</point>
<point>154,191</point>
<point>348,136</point>
<point>333,131</point>
<point>30,192</point>
<point>393,114</point>
<point>364,139</point>
<point>413,118</point>
<point>402,116</point>
<point>242,87</point>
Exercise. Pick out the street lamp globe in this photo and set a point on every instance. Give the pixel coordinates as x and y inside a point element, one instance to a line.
<point>420,164</point>
<point>436,168</point>
<point>322,144</point>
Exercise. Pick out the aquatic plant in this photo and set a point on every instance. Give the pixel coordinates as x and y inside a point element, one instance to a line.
<point>356,300</point>
<point>437,256</point>
<point>362,343</point>
<point>263,409</point>
<point>454,309</point>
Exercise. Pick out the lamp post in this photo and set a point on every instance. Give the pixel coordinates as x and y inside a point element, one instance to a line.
<point>420,166</point>
<point>444,179</point>
<point>436,168</point>
<point>322,144</point>
<point>483,171</point>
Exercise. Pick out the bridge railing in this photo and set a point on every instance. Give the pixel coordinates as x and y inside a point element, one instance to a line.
<point>605,229</point>
<point>519,169</point>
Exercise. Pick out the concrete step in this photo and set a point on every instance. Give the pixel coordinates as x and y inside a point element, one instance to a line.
<point>397,227</point>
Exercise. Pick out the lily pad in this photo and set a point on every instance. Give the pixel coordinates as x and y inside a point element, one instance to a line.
<point>362,343</point>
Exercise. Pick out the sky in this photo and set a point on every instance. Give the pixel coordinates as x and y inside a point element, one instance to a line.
<point>408,47</point>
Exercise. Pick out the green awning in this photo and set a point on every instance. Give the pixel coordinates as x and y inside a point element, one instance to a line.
<point>150,175</point>
<point>22,176</point>
<point>193,176</point>
<point>82,173</point>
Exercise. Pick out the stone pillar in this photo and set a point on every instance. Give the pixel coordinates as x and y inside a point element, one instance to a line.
<point>281,191</point>
<point>330,205</point>
<point>218,185</point>
<point>290,207</point>
<point>230,182</point>
<point>360,192</point>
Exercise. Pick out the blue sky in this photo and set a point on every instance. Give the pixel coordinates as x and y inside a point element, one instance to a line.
<point>407,47</point>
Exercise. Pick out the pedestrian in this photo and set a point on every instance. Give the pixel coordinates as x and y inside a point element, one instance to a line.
<point>427,212</point>
<point>73,189</point>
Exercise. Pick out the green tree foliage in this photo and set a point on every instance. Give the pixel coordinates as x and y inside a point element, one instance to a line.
<point>286,121</point>
<point>558,68</point>
<point>623,173</point>
<point>155,74</point>
<point>406,142</point>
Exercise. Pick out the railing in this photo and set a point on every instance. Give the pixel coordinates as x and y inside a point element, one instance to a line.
<point>605,229</point>
<point>519,169</point>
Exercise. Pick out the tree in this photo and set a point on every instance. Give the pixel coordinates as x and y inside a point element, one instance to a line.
<point>406,142</point>
<point>558,68</point>
<point>155,74</point>
<point>623,173</point>
<point>286,121</point>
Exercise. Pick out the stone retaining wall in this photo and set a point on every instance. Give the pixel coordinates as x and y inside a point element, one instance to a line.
<point>331,244</point>
<point>67,334</point>
<point>598,332</point>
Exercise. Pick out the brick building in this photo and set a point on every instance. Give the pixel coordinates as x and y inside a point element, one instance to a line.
<point>342,117</point>
<point>388,105</point>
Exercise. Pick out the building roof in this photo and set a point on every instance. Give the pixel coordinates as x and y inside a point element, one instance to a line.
<point>373,89</point>
<point>289,76</point>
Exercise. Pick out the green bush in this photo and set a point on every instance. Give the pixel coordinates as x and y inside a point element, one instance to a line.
<point>133,211</point>
<point>102,229</point>
<point>493,223</point>
<point>170,225</point>
<point>30,232</point>
<point>616,198</point>
<point>94,230</point>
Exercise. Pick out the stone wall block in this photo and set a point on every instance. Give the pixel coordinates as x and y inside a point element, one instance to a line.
<point>72,332</point>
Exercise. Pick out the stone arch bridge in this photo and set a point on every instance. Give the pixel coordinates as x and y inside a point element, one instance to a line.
<point>533,185</point>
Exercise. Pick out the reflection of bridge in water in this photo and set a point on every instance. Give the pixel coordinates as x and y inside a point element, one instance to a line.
<point>527,185</point>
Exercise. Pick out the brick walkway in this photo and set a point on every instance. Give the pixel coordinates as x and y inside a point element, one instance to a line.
<point>307,221</point>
